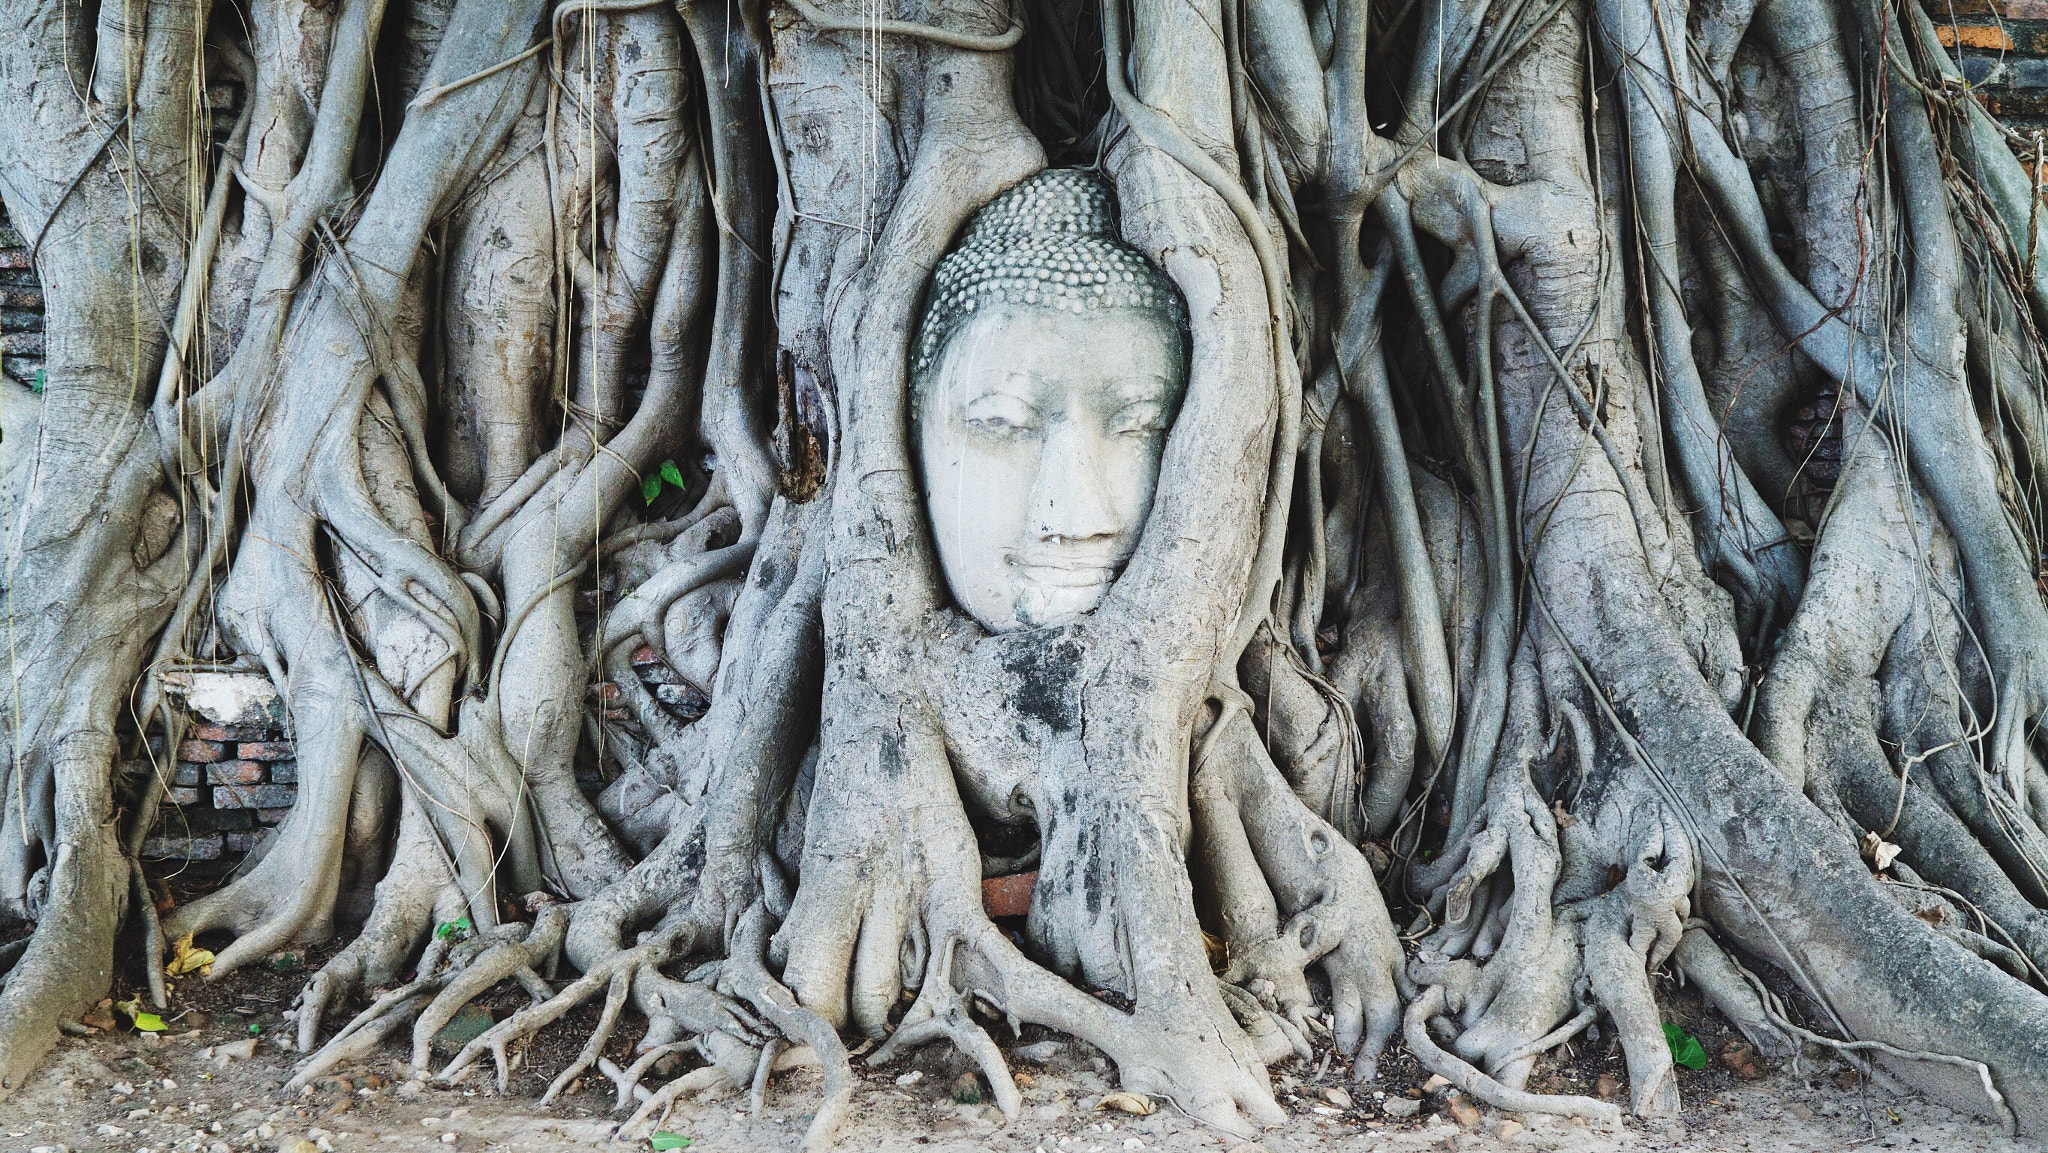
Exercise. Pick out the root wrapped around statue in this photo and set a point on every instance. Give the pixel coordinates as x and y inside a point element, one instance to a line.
<point>1272,472</point>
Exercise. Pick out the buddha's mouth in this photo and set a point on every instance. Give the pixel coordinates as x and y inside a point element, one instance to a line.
<point>1063,572</point>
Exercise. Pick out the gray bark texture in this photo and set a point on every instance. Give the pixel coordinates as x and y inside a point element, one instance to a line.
<point>522,385</point>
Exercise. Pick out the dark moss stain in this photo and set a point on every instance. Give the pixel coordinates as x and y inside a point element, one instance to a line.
<point>1045,664</point>
<point>894,764</point>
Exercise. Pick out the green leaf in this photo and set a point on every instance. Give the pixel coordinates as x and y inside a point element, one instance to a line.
<point>672,474</point>
<point>149,1022</point>
<point>1685,1048</point>
<point>257,1029</point>
<point>38,386</point>
<point>650,487</point>
<point>452,928</point>
<point>664,1141</point>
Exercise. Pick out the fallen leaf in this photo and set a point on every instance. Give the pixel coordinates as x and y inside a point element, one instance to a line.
<point>1136,1104</point>
<point>661,1142</point>
<point>186,959</point>
<point>1685,1048</point>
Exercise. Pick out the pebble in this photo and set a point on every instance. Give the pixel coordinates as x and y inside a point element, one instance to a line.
<point>910,1078</point>
<point>1039,1051</point>
<point>1436,1081</point>
<point>1401,1106</point>
<point>1509,1130</point>
<point>1464,1113</point>
<point>1338,1097</point>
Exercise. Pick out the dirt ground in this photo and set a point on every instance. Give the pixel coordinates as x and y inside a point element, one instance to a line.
<point>180,1092</point>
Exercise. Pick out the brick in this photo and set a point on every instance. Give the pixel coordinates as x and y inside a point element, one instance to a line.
<point>1987,36</point>
<point>266,750</point>
<point>272,816</point>
<point>1008,896</point>
<point>235,773</point>
<point>206,847</point>
<point>284,772</point>
<point>21,343</point>
<point>204,752</point>
<point>243,842</point>
<point>208,731</point>
<point>177,796</point>
<point>188,773</point>
<point>254,796</point>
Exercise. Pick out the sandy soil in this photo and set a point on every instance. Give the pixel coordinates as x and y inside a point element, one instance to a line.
<point>179,1093</point>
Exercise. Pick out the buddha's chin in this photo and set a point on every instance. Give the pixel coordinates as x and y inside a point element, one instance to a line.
<point>1044,604</point>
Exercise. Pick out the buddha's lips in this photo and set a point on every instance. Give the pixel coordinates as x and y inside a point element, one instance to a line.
<point>1063,572</point>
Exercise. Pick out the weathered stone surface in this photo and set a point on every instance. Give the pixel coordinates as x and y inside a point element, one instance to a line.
<point>235,773</point>
<point>254,796</point>
<point>198,847</point>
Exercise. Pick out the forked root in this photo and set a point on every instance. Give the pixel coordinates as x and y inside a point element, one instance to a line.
<point>1415,1027</point>
<point>941,1013</point>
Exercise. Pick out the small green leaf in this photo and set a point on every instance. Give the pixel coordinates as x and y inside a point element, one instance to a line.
<point>650,487</point>
<point>672,474</point>
<point>257,1029</point>
<point>38,386</point>
<point>149,1022</point>
<point>1685,1048</point>
<point>447,929</point>
<point>664,1141</point>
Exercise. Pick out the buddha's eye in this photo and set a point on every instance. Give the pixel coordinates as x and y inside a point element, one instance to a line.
<point>999,415</point>
<point>1143,419</point>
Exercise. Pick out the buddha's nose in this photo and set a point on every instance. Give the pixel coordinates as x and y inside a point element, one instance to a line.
<point>1071,498</point>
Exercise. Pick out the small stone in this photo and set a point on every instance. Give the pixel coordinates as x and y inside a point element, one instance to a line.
<point>1335,1095</point>
<point>1800,1110</point>
<point>242,1050</point>
<point>910,1078</point>
<point>447,1138</point>
<point>1464,1113</point>
<point>1607,1087</point>
<point>1040,1052</point>
<point>1740,1057</point>
<point>1401,1107</point>
<point>967,1090</point>
<point>467,1025</point>
<point>1436,1081</point>
<point>1024,1080</point>
<point>1509,1130</point>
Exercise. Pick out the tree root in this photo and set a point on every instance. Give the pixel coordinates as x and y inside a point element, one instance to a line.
<point>1415,1027</point>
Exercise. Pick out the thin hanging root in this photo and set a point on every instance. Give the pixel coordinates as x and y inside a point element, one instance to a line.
<point>695,1081</point>
<point>614,1000</point>
<point>628,1079</point>
<point>1415,1026</point>
<point>941,1013</point>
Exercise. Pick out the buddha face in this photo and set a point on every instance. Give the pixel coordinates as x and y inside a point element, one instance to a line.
<point>1040,433</point>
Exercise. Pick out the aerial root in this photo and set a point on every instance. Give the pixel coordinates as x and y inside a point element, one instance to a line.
<point>515,956</point>
<point>628,1079</point>
<point>695,1081</point>
<point>620,985</point>
<point>1415,1027</point>
<point>941,1012</point>
<point>614,974</point>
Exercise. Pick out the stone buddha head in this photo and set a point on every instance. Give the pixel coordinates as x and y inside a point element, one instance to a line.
<point>1049,366</point>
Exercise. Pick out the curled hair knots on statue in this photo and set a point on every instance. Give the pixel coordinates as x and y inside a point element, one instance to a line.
<point>1050,242</point>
